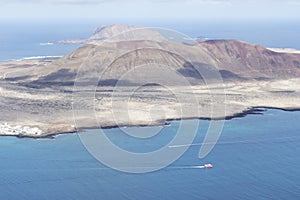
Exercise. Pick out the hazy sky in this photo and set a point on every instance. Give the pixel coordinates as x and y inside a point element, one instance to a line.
<point>149,9</point>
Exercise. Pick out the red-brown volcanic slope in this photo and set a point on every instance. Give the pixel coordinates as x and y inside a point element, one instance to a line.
<point>249,60</point>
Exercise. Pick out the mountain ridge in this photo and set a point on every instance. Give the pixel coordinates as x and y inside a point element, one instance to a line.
<point>235,60</point>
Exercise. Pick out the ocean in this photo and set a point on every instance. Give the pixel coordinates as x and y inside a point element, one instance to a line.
<point>256,157</point>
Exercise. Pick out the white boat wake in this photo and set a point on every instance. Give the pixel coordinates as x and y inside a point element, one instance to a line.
<point>280,139</point>
<point>46,44</point>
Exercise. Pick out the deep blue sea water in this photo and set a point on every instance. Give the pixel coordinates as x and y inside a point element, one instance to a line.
<point>257,157</point>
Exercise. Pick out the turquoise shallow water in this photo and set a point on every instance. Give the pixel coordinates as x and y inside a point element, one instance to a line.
<point>257,157</point>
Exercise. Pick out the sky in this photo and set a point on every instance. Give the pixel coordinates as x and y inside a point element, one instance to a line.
<point>149,9</point>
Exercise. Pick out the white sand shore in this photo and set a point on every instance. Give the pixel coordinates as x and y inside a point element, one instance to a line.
<point>285,50</point>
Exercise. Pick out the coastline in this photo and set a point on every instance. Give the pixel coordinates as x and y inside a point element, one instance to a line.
<point>256,110</point>
<point>285,50</point>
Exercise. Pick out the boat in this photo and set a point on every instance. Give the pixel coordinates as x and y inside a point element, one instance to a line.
<point>208,166</point>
